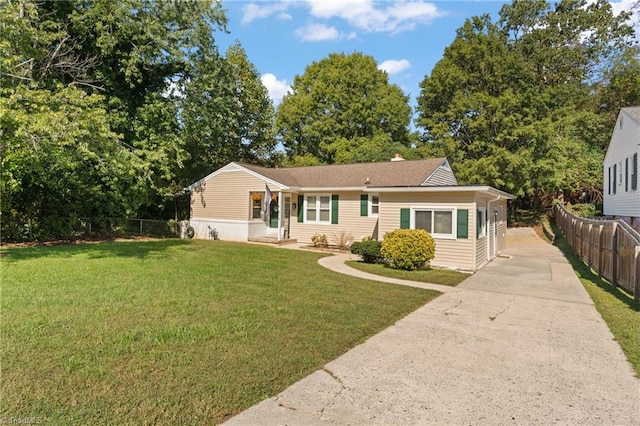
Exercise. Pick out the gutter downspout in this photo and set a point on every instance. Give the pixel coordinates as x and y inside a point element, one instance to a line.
<point>488,231</point>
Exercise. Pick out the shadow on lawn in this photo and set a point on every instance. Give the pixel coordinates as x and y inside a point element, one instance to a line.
<point>131,249</point>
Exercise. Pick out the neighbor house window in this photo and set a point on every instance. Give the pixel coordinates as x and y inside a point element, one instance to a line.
<point>634,174</point>
<point>437,222</point>
<point>620,173</point>
<point>374,205</point>
<point>318,208</point>
<point>626,174</point>
<point>482,222</point>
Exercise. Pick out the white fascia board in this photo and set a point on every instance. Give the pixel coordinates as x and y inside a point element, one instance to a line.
<point>459,188</point>
<point>234,167</point>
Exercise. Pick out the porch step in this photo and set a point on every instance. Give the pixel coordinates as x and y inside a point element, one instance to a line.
<point>273,240</point>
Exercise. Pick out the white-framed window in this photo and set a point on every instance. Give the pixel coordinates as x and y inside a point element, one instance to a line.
<point>620,173</point>
<point>256,205</point>
<point>317,208</point>
<point>439,222</point>
<point>374,204</point>
<point>482,222</point>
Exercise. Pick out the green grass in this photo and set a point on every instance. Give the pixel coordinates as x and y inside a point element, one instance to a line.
<point>173,331</point>
<point>433,276</point>
<point>618,309</point>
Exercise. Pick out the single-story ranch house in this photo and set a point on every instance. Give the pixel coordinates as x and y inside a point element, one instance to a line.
<point>244,202</point>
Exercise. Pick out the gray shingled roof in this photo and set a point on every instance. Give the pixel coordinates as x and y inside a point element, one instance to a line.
<point>634,112</point>
<point>389,173</point>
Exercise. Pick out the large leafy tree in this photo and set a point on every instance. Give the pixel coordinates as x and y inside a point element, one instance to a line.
<point>89,125</point>
<point>147,49</point>
<point>512,102</point>
<point>619,85</point>
<point>343,109</point>
<point>227,114</point>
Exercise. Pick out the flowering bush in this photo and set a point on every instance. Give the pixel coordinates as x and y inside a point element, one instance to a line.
<point>319,240</point>
<point>408,249</point>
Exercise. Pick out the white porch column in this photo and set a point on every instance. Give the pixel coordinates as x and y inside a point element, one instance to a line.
<point>280,215</point>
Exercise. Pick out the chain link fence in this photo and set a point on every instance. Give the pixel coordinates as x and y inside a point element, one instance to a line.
<point>101,228</point>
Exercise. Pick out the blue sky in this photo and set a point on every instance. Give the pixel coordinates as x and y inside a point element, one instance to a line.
<point>406,38</point>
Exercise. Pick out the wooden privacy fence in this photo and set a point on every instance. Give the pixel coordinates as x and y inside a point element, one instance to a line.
<point>609,247</point>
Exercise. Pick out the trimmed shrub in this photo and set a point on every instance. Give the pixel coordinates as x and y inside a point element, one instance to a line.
<point>408,249</point>
<point>368,249</point>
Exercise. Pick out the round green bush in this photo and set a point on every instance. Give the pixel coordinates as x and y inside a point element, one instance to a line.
<point>408,249</point>
<point>368,249</point>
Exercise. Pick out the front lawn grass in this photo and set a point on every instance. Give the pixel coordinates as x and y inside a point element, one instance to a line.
<point>433,276</point>
<point>172,331</point>
<point>618,309</point>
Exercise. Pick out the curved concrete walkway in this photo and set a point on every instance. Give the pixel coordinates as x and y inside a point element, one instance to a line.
<point>519,342</point>
<point>337,263</point>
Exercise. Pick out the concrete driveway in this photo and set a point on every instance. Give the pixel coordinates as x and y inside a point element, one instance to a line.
<point>519,342</point>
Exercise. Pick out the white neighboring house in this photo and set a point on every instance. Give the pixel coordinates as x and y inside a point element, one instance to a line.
<point>620,172</point>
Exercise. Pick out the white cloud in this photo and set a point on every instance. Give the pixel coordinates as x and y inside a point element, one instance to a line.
<point>284,16</point>
<point>619,6</point>
<point>373,16</point>
<point>629,6</point>
<point>365,15</point>
<point>394,66</point>
<point>277,88</point>
<point>318,32</point>
<point>253,11</point>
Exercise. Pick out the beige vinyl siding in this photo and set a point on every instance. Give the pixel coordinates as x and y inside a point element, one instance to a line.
<point>226,196</point>
<point>441,177</point>
<point>450,252</point>
<point>481,248</point>
<point>502,227</point>
<point>349,221</point>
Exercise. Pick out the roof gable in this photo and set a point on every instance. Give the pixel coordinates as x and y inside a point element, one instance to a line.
<point>625,136</point>
<point>234,167</point>
<point>633,112</point>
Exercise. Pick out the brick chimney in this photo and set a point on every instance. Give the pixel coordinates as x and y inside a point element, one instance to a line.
<point>397,157</point>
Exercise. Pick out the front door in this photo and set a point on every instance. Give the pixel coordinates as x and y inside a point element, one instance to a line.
<point>273,213</point>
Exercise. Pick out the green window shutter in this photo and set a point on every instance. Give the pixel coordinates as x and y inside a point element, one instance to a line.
<point>300,208</point>
<point>463,224</point>
<point>334,209</point>
<point>364,205</point>
<point>405,218</point>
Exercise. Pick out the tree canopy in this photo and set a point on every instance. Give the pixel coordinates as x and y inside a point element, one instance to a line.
<point>227,115</point>
<point>343,110</point>
<point>108,108</point>
<point>515,103</point>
